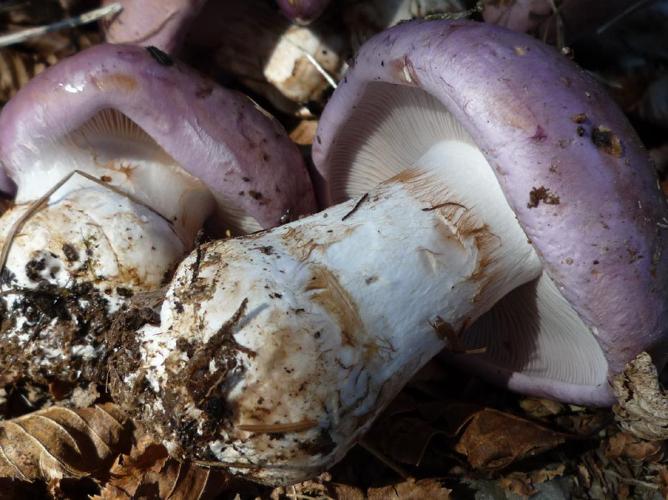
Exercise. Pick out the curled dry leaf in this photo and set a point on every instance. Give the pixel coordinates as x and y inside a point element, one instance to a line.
<point>61,443</point>
<point>411,490</point>
<point>627,445</point>
<point>540,407</point>
<point>642,406</point>
<point>148,472</point>
<point>493,439</point>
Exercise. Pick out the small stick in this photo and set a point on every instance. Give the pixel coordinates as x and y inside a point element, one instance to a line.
<point>302,426</point>
<point>385,460</point>
<point>325,74</point>
<point>446,204</point>
<point>357,205</point>
<point>628,11</point>
<point>71,22</point>
<point>38,204</point>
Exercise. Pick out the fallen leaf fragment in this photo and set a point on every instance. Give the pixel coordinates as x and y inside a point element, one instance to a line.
<point>627,445</point>
<point>411,490</point>
<point>493,439</point>
<point>149,472</point>
<point>540,408</point>
<point>642,406</point>
<point>60,443</point>
<point>304,132</point>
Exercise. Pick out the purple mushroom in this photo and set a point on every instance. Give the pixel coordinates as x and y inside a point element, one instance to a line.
<point>161,23</point>
<point>492,200</point>
<point>302,11</point>
<point>571,18</point>
<point>168,148</point>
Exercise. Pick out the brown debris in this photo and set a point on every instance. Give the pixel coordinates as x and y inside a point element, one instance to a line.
<point>493,439</point>
<point>542,194</point>
<point>304,133</point>
<point>605,140</point>
<point>411,490</point>
<point>642,405</point>
<point>60,443</point>
<point>148,472</point>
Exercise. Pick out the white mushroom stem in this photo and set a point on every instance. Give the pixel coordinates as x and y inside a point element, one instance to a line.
<point>338,310</point>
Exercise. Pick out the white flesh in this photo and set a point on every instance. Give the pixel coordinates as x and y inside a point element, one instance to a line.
<point>342,308</point>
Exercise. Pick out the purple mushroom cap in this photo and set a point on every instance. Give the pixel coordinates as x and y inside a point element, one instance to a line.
<point>570,166</point>
<point>218,136</point>
<point>160,23</point>
<point>302,11</point>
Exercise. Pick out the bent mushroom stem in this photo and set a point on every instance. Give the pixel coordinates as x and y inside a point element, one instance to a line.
<point>277,350</point>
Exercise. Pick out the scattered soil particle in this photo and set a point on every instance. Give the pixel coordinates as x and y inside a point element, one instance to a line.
<point>579,118</point>
<point>542,194</point>
<point>70,253</point>
<point>604,139</point>
<point>66,321</point>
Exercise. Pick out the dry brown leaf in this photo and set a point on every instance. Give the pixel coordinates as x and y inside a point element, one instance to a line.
<point>642,406</point>
<point>628,446</point>
<point>58,442</point>
<point>346,492</point>
<point>304,132</point>
<point>518,483</point>
<point>540,408</point>
<point>148,472</point>
<point>411,490</point>
<point>493,439</point>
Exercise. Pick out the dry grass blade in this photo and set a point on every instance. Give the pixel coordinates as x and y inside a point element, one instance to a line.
<point>148,472</point>
<point>59,442</point>
<point>85,18</point>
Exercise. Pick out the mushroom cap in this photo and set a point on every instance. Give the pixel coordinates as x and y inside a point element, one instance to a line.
<point>547,129</point>
<point>218,136</point>
<point>302,11</point>
<point>160,23</point>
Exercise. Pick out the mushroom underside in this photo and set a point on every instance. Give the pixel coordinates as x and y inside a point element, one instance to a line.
<point>533,340</point>
<point>113,148</point>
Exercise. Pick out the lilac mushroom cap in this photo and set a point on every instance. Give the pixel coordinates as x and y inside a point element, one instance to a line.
<point>220,137</point>
<point>159,23</point>
<point>569,165</point>
<point>572,19</point>
<point>302,11</point>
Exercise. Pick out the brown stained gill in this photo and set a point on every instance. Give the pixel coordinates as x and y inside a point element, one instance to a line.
<point>605,140</point>
<point>541,194</point>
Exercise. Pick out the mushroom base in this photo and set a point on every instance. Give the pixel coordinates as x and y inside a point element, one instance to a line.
<point>276,351</point>
<point>68,269</point>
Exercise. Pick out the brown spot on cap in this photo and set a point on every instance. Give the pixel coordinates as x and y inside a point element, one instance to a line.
<point>604,139</point>
<point>115,81</point>
<point>542,194</point>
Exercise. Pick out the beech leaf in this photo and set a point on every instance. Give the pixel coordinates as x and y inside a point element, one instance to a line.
<point>149,472</point>
<point>60,443</point>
